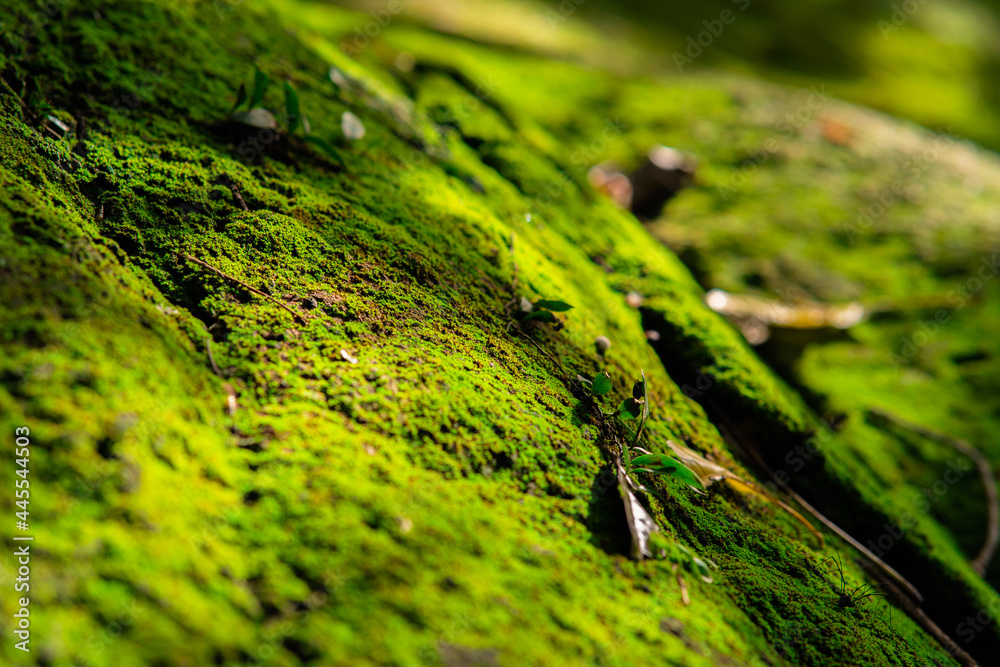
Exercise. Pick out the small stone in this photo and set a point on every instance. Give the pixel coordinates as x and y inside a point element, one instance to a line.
<point>607,179</point>
<point>526,306</point>
<point>339,79</point>
<point>352,126</point>
<point>257,117</point>
<point>602,343</point>
<point>346,356</point>
<point>634,299</point>
<point>652,335</point>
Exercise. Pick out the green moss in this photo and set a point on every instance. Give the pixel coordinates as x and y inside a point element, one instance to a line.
<point>452,486</point>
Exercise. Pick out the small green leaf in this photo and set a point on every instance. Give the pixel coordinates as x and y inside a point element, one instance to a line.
<point>557,306</point>
<point>241,97</point>
<point>291,107</point>
<point>260,82</point>
<point>661,464</point>
<point>540,315</point>
<point>602,384</point>
<point>658,463</point>
<point>644,401</point>
<point>326,147</point>
<point>639,390</point>
<point>629,409</point>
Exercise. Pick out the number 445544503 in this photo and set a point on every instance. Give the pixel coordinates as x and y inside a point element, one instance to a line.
<point>23,453</point>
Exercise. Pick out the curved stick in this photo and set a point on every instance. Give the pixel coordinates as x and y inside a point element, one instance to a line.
<point>989,547</point>
<point>910,601</point>
<point>246,286</point>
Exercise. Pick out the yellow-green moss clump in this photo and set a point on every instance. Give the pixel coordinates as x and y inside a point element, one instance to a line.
<point>216,481</point>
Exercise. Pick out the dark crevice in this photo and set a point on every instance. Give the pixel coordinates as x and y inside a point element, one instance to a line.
<point>816,479</point>
<point>606,515</point>
<point>478,91</point>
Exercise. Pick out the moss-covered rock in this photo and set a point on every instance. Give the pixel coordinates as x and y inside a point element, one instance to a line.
<point>281,411</point>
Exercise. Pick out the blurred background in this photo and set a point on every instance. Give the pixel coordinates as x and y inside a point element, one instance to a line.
<point>935,62</point>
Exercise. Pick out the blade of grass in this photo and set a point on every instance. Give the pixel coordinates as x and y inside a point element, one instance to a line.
<point>260,82</point>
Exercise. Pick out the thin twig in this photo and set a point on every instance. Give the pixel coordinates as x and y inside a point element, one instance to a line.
<point>239,197</point>
<point>644,417</point>
<point>55,134</point>
<point>844,535</point>
<point>245,286</point>
<point>889,571</point>
<point>987,551</point>
<point>684,591</point>
<point>215,367</point>
<point>922,619</point>
<point>532,341</point>
<point>910,602</point>
<point>486,281</point>
<point>680,582</point>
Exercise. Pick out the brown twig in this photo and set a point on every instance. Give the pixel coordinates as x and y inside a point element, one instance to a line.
<point>684,591</point>
<point>754,454</point>
<point>55,134</point>
<point>245,286</point>
<point>922,619</point>
<point>987,551</point>
<point>910,602</point>
<point>483,278</point>
<point>532,341</point>
<point>889,571</point>
<point>239,197</point>
<point>215,367</point>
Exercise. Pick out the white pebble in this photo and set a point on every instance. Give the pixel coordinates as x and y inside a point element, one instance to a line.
<point>352,126</point>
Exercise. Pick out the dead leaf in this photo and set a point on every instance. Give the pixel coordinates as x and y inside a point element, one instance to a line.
<point>640,524</point>
<point>710,472</point>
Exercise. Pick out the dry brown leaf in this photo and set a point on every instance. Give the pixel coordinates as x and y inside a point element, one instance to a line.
<point>710,472</point>
<point>640,524</point>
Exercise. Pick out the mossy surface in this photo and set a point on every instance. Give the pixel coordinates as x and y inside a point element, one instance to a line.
<point>449,496</point>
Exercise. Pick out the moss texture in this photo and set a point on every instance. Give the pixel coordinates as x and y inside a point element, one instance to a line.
<point>448,498</point>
